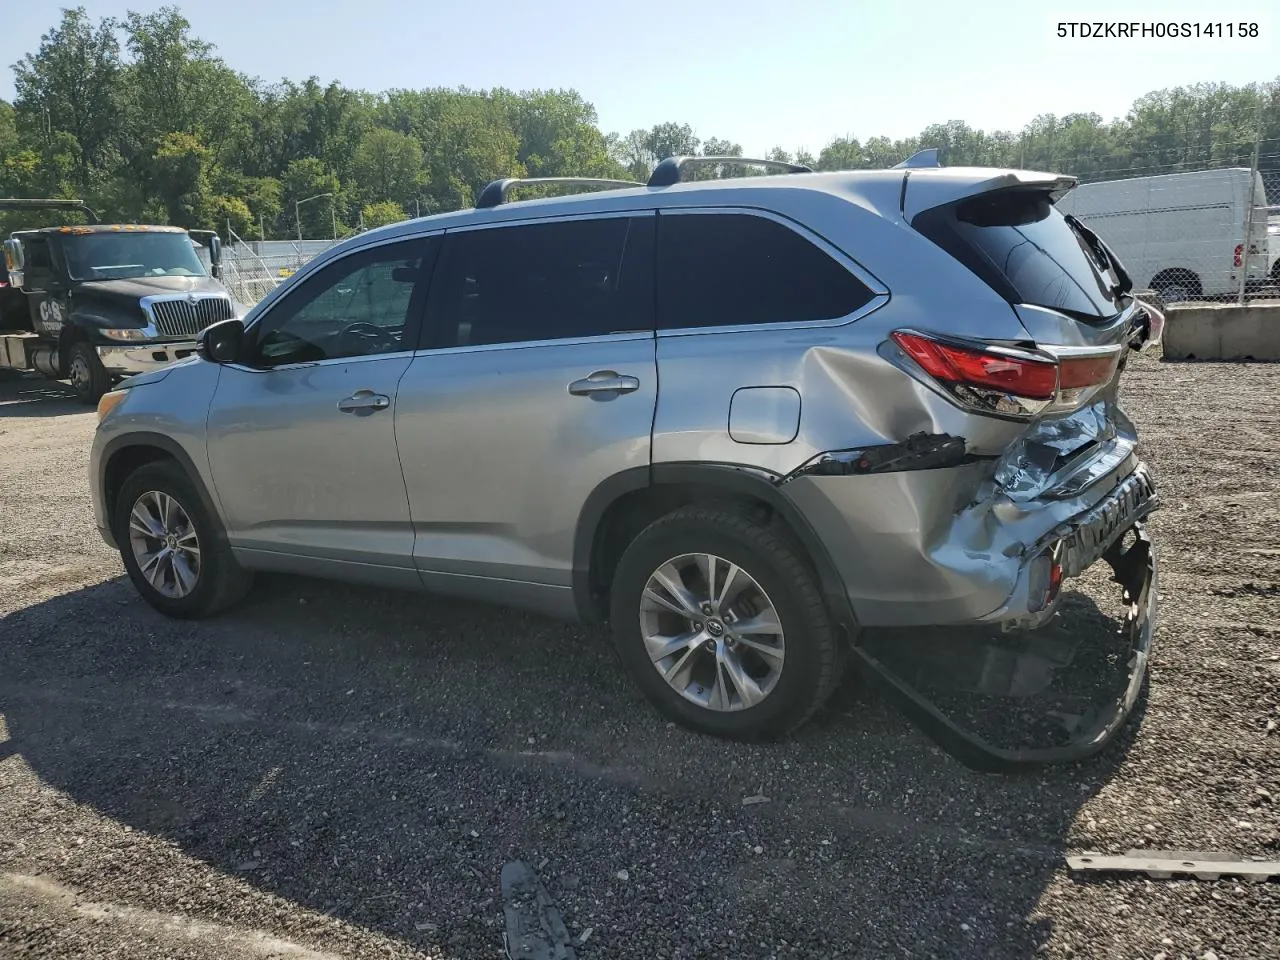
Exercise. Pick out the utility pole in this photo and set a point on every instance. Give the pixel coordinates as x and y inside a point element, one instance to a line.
<point>1249,203</point>
<point>333,213</point>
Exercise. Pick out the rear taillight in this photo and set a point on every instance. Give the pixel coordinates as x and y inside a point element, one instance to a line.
<point>1239,257</point>
<point>1021,376</point>
<point>1077,372</point>
<point>1007,381</point>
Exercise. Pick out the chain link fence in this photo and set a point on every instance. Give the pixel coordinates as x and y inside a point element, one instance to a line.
<point>252,269</point>
<point>1207,235</point>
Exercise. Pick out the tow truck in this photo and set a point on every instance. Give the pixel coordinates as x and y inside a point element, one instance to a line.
<point>97,303</point>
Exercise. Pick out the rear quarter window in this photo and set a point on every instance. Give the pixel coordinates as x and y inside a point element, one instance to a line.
<point>734,269</point>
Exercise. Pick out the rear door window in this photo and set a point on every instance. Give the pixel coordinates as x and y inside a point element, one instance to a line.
<point>1024,248</point>
<point>734,269</point>
<point>545,281</point>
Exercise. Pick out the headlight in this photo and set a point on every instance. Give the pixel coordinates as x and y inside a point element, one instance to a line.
<point>128,333</point>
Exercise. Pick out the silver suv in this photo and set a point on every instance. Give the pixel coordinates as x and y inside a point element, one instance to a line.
<point>746,421</point>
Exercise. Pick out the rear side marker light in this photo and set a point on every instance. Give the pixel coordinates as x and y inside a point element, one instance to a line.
<point>1045,580</point>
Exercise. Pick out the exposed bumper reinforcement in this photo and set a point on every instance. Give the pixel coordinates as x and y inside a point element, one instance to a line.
<point>998,701</point>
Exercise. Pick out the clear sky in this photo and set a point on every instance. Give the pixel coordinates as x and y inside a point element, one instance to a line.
<point>759,73</point>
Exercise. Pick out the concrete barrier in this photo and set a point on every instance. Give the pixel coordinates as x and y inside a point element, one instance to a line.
<point>1221,331</point>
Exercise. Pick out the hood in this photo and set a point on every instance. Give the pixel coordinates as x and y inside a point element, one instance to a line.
<point>135,288</point>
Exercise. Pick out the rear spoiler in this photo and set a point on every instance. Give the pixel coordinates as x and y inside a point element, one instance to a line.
<point>932,185</point>
<point>925,189</point>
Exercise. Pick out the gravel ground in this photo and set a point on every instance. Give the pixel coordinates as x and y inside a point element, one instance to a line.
<point>332,771</point>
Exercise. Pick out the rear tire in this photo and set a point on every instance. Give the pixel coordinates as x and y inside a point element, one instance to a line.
<point>89,378</point>
<point>175,552</point>
<point>760,684</point>
<point>1177,286</point>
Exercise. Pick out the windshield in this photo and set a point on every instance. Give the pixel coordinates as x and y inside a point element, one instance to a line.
<point>1021,245</point>
<point>115,256</point>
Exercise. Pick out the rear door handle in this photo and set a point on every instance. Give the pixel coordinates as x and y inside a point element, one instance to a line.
<point>364,402</point>
<point>604,381</point>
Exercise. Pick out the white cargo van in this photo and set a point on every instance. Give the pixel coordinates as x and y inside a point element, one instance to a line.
<point>1181,234</point>
<point>1273,246</point>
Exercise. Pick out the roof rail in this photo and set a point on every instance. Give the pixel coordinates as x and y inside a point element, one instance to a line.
<point>921,158</point>
<point>495,192</point>
<point>14,203</point>
<point>668,171</point>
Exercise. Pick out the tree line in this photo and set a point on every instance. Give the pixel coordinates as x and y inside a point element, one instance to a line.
<point>147,123</point>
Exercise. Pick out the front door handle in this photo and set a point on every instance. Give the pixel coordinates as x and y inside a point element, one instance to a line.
<point>364,402</point>
<point>604,381</point>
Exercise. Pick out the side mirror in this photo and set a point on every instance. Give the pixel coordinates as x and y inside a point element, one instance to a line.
<point>221,342</point>
<point>14,262</point>
<point>215,257</point>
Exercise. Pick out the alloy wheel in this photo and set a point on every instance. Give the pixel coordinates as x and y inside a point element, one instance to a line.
<point>165,544</point>
<point>712,632</point>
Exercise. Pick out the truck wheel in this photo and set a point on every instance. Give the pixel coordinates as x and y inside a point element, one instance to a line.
<point>175,552</point>
<point>89,378</point>
<point>721,624</point>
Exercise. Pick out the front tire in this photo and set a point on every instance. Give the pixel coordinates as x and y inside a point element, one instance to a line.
<point>175,552</point>
<point>721,624</point>
<point>89,378</point>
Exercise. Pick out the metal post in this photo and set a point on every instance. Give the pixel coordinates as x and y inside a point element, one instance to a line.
<point>298,219</point>
<point>1248,210</point>
<point>333,212</point>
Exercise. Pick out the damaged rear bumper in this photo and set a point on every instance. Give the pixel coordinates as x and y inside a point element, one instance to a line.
<point>996,699</point>
<point>1001,662</point>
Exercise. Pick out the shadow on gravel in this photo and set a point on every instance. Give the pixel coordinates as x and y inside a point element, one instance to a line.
<point>378,756</point>
<point>30,395</point>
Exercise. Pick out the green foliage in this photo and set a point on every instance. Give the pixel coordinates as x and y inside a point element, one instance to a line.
<point>180,163</point>
<point>304,187</point>
<point>235,211</point>
<point>144,120</point>
<point>72,85</point>
<point>382,213</point>
<point>387,167</point>
<point>842,153</point>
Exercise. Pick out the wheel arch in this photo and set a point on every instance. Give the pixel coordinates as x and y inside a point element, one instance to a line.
<point>1176,275</point>
<point>127,453</point>
<point>624,504</point>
